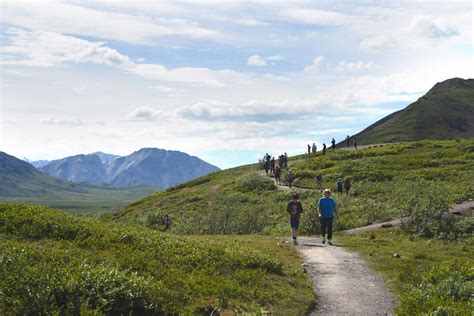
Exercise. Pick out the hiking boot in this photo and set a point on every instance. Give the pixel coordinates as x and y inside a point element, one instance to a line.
<point>329,242</point>
<point>295,242</point>
<point>323,240</point>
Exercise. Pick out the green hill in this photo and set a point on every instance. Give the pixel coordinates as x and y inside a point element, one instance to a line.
<point>21,182</point>
<point>445,112</point>
<point>52,263</point>
<point>241,201</point>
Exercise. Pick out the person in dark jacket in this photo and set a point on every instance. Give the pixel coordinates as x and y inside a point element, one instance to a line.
<point>295,209</point>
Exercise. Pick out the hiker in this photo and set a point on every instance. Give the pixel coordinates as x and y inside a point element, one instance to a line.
<point>267,157</point>
<point>167,222</point>
<point>314,149</point>
<point>295,209</point>
<point>272,165</point>
<point>309,149</point>
<point>326,211</point>
<point>324,149</point>
<point>347,185</point>
<point>277,175</point>
<point>280,161</point>
<point>319,181</point>
<point>339,185</point>
<point>266,166</point>
<point>286,160</point>
<point>290,177</point>
<point>333,146</point>
<point>355,143</point>
<point>348,141</point>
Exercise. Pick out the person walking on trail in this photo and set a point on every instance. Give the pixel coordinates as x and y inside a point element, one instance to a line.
<point>355,143</point>
<point>277,175</point>
<point>290,177</point>
<point>309,149</point>
<point>272,165</point>
<point>319,181</point>
<point>347,185</point>
<point>326,212</point>
<point>267,157</point>
<point>333,144</point>
<point>267,166</point>
<point>314,149</point>
<point>324,148</point>
<point>339,185</point>
<point>295,209</point>
<point>286,160</point>
<point>167,222</point>
<point>348,141</point>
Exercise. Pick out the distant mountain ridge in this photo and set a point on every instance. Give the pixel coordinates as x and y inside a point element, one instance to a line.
<point>147,166</point>
<point>446,111</point>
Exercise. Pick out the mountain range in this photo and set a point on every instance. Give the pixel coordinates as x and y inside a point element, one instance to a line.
<point>147,166</point>
<point>446,111</point>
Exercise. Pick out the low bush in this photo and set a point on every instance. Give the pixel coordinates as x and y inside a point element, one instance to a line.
<point>253,182</point>
<point>55,263</point>
<point>441,290</point>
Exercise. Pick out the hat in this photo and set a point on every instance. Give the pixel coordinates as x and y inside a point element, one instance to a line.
<point>327,190</point>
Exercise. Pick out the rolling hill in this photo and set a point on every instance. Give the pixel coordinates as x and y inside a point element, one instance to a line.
<point>241,201</point>
<point>445,112</point>
<point>21,182</point>
<point>148,166</point>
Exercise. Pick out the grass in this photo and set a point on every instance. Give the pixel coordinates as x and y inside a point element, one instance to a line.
<point>221,203</point>
<point>431,276</point>
<point>55,263</point>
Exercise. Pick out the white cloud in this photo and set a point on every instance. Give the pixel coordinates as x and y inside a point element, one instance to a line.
<point>316,65</point>
<point>62,17</point>
<point>275,57</point>
<point>257,61</point>
<point>320,17</point>
<point>432,27</point>
<point>422,31</point>
<point>62,122</point>
<point>260,61</point>
<point>345,66</point>
<point>146,113</point>
<point>47,49</point>
<point>250,22</point>
<point>164,89</point>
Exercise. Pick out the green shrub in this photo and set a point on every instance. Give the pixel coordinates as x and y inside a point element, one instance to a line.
<point>51,262</point>
<point>442,290</point>
<point>253,182</point>
<point>424,207</point>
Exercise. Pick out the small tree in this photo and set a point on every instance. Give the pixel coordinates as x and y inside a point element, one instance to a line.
<point>424,207</point>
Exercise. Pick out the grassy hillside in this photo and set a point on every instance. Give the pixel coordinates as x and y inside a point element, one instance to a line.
<point>54,263</point>
<point>240,201</point>
<point>20,182</point>
<point>430,276</point>
<point>445,112</point>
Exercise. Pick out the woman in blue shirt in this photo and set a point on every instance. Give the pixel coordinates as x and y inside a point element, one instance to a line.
<point>326,211</point>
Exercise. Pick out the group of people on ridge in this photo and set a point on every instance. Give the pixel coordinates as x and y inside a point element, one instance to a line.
<point>325,206</point>
<point>270,166</point>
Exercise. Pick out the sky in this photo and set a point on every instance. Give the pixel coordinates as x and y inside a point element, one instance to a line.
<point>224,81</point>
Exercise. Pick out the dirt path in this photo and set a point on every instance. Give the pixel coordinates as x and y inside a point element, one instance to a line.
<point>343,283</point>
